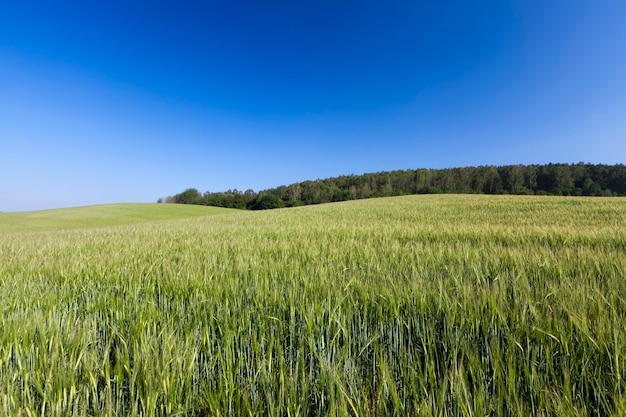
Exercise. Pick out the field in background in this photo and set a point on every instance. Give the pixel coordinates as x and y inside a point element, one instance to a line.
<point>418,305</point>
<point>99,216</point>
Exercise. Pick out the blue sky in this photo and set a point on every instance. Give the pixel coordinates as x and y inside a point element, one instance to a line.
<point>124,101</point>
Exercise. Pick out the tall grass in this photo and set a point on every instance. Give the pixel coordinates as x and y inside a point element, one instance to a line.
<point>420,305</point>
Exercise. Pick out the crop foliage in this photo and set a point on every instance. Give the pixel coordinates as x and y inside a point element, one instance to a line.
<point>418,305</point>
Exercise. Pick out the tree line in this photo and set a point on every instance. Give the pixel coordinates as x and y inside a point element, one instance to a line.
<point>552,179</point>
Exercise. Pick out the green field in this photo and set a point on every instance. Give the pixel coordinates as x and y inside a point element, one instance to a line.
<point>98,216</point>
<point>426,305</point>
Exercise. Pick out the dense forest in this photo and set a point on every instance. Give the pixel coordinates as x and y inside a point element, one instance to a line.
<point>553,179</point>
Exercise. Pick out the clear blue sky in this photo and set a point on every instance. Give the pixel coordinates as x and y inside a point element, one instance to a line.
<point>123,101</point>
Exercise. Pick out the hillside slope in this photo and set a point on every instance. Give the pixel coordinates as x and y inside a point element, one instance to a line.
<point>426,305</point>
<point>100,216</point>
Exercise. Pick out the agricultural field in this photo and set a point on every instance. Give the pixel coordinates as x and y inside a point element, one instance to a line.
<point>101,215</point>
<point>432,305</point>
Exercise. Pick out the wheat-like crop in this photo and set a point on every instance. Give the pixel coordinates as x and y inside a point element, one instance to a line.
<point>419,305</point>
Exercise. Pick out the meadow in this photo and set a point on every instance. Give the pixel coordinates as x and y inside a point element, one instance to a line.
<point>432,305</point>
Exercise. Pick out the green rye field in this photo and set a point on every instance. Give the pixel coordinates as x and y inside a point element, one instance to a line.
<point>102,215</point>
<point>426,305</point>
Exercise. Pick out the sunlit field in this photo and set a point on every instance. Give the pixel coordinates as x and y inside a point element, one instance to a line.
<point>419,305</point>
<point>101,215</point>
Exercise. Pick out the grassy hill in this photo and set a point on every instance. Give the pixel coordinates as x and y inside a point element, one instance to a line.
<point>100,216</point>
<point>433,305</point>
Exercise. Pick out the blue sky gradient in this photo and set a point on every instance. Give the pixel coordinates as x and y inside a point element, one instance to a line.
<point>104,102</point>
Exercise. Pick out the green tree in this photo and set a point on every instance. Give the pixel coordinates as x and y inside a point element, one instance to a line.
<point>189,196</point>
<point>268,201</point>
<point>513,178</point>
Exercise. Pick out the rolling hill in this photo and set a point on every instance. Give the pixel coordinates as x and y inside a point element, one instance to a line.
<point>101,216</point>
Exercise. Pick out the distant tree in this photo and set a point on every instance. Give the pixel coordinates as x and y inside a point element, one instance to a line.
<point>512,178</point>
<point>420,179</point>
<point>343,195</point>
<point>551,179</point>
<point>492,182</point>
<point>294,192</point>
<point>430,190</point>
<point>530,177</point>
<point>555,179</point>
<point>591,188</point>
<point>189,196</point>
<point>385,188</point>
<point>616,180</point>
<point>249,195</point>
<point>268,201</point>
